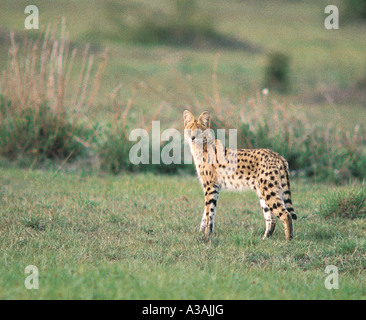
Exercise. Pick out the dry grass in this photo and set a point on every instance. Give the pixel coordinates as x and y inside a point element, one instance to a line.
<point>43,114</point>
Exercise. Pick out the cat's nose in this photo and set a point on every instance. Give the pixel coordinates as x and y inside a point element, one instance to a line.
<point>193,138</point>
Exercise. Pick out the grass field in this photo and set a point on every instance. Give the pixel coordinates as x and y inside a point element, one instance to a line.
<point>95,235</point>
<point>136,237</point>
<point>319,57</point>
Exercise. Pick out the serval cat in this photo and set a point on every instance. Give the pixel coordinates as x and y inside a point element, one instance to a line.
<point>220,168</point>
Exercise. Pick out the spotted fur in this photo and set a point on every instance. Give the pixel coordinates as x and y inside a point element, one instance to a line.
<point>220,168</point>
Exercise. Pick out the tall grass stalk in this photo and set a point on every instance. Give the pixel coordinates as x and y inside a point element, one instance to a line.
<point>43,114</point>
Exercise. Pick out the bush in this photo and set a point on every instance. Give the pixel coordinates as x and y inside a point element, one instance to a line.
<point>37,121</point>
<point>114,156</point>
<point>114,145</point>
<point>40,134</point>
<point>277,73</point>
<point>350,204</point>
<point>113,152</point>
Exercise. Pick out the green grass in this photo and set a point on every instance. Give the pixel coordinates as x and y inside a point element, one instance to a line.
<point>136,237</point>
<point>350,204</point>
<point>319,57</point>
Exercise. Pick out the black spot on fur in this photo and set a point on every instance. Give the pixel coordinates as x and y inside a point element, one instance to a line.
<point>213,201</point>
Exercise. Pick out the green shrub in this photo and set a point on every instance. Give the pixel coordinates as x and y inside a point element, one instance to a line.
<point>277,73</point>
<point>40,134</point>
<point>350,204</point>
<point>113,152</point>
<point>36,120</point>
<point>114,156</point>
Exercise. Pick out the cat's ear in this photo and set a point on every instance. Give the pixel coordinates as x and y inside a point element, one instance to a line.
<point>187,117</point>
<point>204,119</point>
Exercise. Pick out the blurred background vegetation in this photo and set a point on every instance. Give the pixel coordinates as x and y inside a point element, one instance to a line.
<point>268,68</point>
